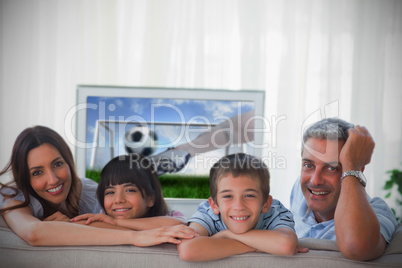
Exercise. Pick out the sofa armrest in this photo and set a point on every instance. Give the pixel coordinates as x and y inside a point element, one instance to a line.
<point>318,244</point>
<point>395,247</point>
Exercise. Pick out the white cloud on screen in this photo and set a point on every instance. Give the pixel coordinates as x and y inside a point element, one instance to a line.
<point>119,102</point>
<point>136,106</point>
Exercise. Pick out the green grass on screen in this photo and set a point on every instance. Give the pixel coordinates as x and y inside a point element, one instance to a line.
<point>174,185</point>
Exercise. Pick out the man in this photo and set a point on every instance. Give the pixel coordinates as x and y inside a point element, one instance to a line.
<point>329,200</point>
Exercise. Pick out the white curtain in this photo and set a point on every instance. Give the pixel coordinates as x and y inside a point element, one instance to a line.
<point>313,58</point>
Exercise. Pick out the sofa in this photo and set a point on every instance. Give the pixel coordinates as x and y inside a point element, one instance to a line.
<point>15,252</point>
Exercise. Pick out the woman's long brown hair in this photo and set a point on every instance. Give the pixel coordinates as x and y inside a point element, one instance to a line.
<point>29,139</point>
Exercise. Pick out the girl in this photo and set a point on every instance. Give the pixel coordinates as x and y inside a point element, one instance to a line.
<point>131,196</point>
<point>46,190</point>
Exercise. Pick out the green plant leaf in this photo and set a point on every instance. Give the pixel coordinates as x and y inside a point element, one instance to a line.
<point>388,195</point>
<point>388,185</point>
<point>393,211</point>
<point>396,177</point>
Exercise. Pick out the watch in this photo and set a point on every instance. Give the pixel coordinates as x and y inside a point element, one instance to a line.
<point>358,174</point>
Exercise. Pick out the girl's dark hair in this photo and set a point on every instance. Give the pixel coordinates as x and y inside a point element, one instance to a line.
<point>138,170</point>
<point>29,139</point>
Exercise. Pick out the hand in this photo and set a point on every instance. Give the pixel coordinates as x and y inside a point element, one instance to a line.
<point>95,217</point>
<point>301,250</point>
<point>58,216</point>
<point>169,234</point>
<point>223,234</point>
<point>358,149</point>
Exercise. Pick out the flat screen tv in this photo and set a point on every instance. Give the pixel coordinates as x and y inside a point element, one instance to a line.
<point>105,116</point>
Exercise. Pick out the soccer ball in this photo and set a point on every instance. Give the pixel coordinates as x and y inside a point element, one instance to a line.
<point>140,139</point>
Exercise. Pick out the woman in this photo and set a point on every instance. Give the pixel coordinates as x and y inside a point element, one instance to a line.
<point>33,148</point>
<point>47,192</point>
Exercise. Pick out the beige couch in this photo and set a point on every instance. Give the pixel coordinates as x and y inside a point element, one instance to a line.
<point>14,252</point>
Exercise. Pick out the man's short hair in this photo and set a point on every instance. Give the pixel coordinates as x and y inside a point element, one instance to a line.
<point>328,129</point>
<point>239,164</point>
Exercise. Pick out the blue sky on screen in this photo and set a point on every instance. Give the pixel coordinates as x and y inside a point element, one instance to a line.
<point>128,111</point>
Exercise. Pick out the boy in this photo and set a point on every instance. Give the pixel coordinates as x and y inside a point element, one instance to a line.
<point>240,216</point>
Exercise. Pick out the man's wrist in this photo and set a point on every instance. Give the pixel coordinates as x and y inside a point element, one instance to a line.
<point>356,174</point>
<point>350,166</point>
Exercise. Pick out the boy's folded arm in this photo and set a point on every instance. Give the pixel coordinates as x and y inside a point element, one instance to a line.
<point>281,241</point>
<point>205,248</point>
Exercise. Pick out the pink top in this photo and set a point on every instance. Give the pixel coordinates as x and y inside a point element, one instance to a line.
<point>176,214</point>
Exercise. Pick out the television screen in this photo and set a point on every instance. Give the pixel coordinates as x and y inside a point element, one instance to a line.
<point>109,120</point>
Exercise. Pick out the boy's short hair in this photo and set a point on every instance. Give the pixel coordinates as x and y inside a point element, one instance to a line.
<point>239,164</point>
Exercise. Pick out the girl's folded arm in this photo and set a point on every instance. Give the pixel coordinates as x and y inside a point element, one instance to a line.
<point>133,224</point>
<point>149,222</point>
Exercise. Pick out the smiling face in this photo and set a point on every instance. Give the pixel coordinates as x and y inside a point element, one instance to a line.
<point>320,176</point>
<point>240,202</point>
<point>125,201</point>
<point>50,175</point>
